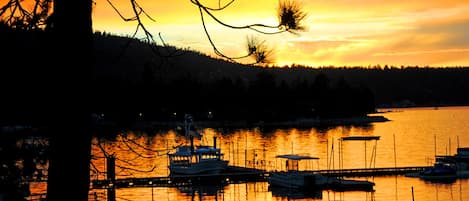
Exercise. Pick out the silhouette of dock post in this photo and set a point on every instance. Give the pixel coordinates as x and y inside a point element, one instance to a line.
<point>111,177</point>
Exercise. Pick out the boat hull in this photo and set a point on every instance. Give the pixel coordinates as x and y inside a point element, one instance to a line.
<point>296,180</point>
<point>202,167</point>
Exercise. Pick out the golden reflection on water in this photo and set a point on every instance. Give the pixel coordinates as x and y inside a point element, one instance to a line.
<point>411,138</point>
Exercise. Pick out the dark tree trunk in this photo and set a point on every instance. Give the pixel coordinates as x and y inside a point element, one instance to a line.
<point>68,92</point>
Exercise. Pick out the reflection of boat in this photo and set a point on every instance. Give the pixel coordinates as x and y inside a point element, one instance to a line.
<point>190,159</point>
<point>351,185</point>
<point>201,189</point>
<point>292,193</point>
<point>292,177</point>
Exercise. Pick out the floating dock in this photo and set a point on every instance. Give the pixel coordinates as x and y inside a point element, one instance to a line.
<point>370,172</point>
<point>236,174</point>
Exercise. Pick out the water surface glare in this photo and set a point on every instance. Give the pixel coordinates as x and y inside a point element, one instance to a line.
<point>411,138</point>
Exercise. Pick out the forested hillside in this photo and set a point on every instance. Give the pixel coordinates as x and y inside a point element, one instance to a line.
<point>135,77</point>
<point>391,86</point>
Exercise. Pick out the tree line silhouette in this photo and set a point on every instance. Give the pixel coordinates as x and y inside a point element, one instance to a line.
<point>52,80</point>
<point>130,81</point>
<point>264,98</point>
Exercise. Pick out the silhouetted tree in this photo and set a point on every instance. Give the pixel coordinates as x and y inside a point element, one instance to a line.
<point>68,86</point>
<point>322,93</point>
<point>72,64</point>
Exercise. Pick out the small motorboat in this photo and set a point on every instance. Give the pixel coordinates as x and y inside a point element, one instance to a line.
<point>439,172</point>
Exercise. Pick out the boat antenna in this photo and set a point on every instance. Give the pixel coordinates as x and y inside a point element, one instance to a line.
<point>187,124</point>
<point>395,158</point>
<point>434,136</point>
<point>449,146</point>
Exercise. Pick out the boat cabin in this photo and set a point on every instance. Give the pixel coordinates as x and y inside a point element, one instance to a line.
<point>185,155</point>
<point>292,162</point>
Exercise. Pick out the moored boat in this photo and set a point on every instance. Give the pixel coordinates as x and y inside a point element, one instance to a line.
<point>188,160</point>
<point>439,172</point>
<point>295,178</point>
<point>195,160</point>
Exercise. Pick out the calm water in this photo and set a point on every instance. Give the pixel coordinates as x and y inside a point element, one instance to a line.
<point>411,138</point>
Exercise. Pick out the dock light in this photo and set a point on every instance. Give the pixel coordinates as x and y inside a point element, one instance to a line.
<point>150,182</point>
<point>111,185</point>
<point>131,183</point>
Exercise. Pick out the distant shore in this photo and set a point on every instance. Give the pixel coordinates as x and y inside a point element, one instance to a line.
<point>299,123</point>
<point>110,128</point>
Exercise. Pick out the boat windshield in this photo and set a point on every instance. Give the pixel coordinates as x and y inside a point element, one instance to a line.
<point>292,162</point>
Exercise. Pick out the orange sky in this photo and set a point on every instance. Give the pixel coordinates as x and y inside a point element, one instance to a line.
<point>339,32</point>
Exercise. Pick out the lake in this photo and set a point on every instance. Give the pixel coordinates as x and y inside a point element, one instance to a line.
<point>412,137</point>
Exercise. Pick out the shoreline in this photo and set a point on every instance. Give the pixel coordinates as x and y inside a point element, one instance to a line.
<point>299,123</point>
<point>109,127</point>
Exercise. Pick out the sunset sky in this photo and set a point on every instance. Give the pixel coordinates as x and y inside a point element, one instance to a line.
<point>339,32</point>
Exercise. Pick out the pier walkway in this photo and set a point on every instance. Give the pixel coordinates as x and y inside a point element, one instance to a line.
<point>236,174</point>
<point>370,172</point>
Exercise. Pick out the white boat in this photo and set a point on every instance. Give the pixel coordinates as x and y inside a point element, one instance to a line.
<point>193,160</point>
<point>294,178</point>
<point>189,160</point>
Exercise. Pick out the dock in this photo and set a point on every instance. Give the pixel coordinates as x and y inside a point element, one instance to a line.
<point>235,174</point>
<point>371,172</point>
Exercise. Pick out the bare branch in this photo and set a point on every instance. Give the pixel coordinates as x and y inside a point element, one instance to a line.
<point>260,53</point>
<point>136,170</point>
<point>220,7</point>
<point>119,13</point>
<point>254,27</point>
<point>290,20</point>
<point>16,16</point>
<point>290,17</point>
<point>131,149</point>
<point>144,147</point>
<point>100,146</point>
<point>137,11</point>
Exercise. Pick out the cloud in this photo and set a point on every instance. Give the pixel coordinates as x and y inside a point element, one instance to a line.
<point>423,52</point>
<point>430,36</point>
<point>340,32</point>
<point>313,45</point>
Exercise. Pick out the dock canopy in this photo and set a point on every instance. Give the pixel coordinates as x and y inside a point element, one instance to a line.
<point>296,157</point>
<point>362,138</point>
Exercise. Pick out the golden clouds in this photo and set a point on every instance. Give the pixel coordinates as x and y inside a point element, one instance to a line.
<point>339,32</point>
<point>392,33</point>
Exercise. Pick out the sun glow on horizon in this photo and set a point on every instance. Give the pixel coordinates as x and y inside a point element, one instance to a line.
<point>338,33</point>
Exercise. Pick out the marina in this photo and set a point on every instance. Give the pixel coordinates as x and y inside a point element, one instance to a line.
<point>403,149</point>
<point>240,174</point>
